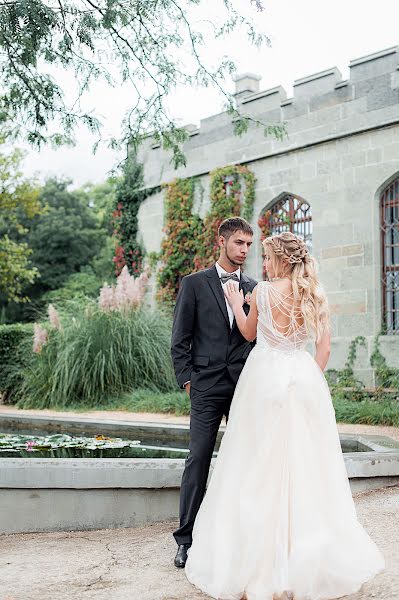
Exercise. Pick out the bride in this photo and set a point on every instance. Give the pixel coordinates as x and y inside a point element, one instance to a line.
<point>278,520</point>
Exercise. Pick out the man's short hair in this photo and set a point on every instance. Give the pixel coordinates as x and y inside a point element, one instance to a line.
<point>233,224</point>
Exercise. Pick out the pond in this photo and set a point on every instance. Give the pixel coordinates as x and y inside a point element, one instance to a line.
<point>68,446</point>
<point>13,445</point>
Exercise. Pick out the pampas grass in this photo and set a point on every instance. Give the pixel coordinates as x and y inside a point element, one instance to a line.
<point>99,354</point>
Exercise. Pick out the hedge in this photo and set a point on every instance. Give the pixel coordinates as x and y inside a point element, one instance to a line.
<point>15,349</point>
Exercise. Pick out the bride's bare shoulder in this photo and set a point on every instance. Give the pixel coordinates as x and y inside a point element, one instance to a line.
<point>281,285</point>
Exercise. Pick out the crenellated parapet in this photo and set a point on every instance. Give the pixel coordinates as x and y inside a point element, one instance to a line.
<point>323,107</point>
<point>380,69</point>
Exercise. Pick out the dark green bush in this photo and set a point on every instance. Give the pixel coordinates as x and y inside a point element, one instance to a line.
<point>15,350</point>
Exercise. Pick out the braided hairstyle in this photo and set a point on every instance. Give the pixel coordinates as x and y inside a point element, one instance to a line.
<point>291,258</point>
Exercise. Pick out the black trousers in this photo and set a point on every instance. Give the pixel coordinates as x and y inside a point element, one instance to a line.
<point>207,411</point>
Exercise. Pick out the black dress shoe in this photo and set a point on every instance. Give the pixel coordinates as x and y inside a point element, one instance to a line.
<point>181,556</point>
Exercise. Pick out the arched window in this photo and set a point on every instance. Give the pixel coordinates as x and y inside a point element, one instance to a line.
<point>288,213</point>
<point>389,210</point>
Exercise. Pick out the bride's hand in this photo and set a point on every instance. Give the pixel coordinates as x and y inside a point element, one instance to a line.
<point>235,297</point>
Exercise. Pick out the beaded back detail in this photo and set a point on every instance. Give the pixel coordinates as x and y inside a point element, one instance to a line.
<point>280,322</point>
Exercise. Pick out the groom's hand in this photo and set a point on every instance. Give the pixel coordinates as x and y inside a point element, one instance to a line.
<point>187,387</point>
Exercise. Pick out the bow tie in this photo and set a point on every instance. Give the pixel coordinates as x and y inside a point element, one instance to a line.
<point>225,277</point>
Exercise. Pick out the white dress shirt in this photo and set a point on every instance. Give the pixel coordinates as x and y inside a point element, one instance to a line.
<point>222,272</point>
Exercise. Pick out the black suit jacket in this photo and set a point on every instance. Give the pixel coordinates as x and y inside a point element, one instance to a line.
<point>203,345</point>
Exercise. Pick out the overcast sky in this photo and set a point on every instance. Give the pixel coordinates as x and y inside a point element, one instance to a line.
<point>307,36</point>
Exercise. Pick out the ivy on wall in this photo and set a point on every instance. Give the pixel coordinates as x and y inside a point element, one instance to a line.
<point>228,199</point>
<point>386,377</point>
<point>264,225</point>
<point>179,246</point>
<point>128,198</point>
<point>189,243</point>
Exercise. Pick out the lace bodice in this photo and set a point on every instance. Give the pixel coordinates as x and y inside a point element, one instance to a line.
<point>287,337</point>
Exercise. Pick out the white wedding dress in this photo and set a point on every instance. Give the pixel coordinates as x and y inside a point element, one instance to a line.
<point>278,519</point>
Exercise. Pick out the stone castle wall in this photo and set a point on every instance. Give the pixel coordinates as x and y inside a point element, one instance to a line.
<point>341,149</point>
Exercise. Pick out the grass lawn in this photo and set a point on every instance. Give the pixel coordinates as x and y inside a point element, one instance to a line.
<point>367,412</point>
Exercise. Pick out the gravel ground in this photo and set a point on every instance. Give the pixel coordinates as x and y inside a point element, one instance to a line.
<point>137,564</point>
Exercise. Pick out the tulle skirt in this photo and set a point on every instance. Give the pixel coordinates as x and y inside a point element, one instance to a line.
<point>278,516</point>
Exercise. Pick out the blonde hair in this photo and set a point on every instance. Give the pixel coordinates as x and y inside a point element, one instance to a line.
<point>291,257</point>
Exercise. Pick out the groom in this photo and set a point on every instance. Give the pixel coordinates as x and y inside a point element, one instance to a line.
<point>208,353</point>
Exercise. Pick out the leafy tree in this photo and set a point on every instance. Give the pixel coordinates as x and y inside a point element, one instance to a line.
<point>18,202</point>
<point>149,42</point>
<point>78,286</point>
<point>88,281</point>
<point>102,264</point>
<point>63,239</point>
<point>100,198</point>
<point>70,251</point>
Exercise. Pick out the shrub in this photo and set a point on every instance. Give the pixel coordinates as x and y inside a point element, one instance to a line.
<point>15,350</point>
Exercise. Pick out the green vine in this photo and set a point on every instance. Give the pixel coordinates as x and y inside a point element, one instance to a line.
<point>345,387</point>
<point>345,378</point>
<point>129,196</point>
<point>386,377</point>
<point>228,199</point>
<point>179,246</point>
<point>153,258</point>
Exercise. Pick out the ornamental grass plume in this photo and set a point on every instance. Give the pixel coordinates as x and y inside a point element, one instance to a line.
<point>142,283</point>
<point>106,300</point>
<point>125,288</point>
<point>128,293</point>
<point>40,338</point>
<point>101,355</point>
<point>54,317</point>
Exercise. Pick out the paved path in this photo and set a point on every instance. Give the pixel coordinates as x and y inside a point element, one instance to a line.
<point>136,564</point>
<point>120,415</point>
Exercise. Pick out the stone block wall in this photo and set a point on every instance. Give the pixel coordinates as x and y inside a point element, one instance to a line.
<point>341,150</point>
